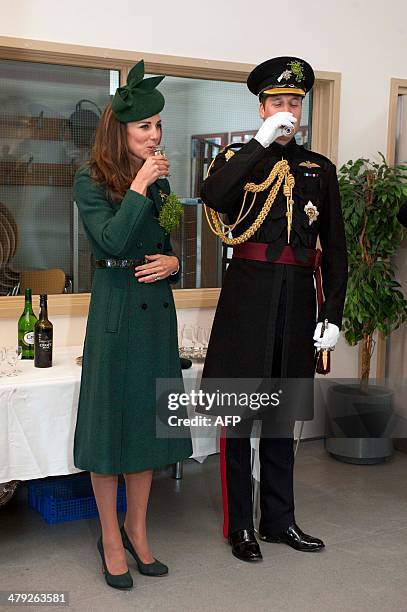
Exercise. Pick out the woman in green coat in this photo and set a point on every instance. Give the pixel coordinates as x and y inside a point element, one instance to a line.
<point>131,336</point>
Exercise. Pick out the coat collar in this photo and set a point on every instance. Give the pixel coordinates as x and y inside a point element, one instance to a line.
<point>283,150</point>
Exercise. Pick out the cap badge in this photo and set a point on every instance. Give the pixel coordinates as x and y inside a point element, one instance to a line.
<point>311,212</point>
<point>284,75</point>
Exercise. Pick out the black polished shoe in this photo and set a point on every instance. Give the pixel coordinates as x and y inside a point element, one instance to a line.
<point>245,546</point>
<point>294,537</point>
<point>117,581</point>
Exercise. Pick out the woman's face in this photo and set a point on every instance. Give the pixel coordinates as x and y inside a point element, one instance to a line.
<point>143,136</point>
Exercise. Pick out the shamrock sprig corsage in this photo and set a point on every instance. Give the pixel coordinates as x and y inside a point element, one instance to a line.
<point>297,68</point>
<point>171,212</point>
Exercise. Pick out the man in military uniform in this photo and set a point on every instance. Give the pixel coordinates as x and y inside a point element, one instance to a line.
<point>278,198</point>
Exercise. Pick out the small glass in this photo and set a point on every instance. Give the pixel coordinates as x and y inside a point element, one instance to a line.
<point>160,150</point>
<point>203,339</point>
<point>12,355</point>
<point>187,341</point>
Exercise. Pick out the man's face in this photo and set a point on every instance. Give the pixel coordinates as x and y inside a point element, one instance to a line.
<point>283,103</point>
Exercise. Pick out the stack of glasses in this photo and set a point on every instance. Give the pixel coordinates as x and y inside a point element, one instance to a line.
<point>193,341</point>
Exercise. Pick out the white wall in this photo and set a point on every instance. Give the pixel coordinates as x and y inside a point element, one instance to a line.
<point>365,41</point>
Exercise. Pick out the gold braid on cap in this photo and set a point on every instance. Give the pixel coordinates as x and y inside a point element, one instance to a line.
<point>280,171</point>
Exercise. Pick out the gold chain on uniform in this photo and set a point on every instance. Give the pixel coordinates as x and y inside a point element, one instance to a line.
<point>281,171</point>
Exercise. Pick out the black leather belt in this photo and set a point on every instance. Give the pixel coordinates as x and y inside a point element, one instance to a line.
<point>119,263</point>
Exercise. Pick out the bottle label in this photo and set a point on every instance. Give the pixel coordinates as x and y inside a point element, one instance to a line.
<point>29,338</point>
<point>45,342</point>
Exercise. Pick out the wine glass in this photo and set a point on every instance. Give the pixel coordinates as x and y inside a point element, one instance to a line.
<point>199,341</point>
<point>12,355</point>
<point>204,335</point>
<point>188,340</point>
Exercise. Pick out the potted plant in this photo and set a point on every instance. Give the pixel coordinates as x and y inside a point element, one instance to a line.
<point>371,195</point>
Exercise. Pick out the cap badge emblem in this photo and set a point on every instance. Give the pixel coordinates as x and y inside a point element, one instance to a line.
<point>284,75</point>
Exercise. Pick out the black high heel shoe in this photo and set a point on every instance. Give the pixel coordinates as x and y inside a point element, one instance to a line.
<point>117,581</point>
<point>156,568</point>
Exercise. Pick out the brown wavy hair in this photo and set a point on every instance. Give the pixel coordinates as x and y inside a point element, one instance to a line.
<point>111,162</point>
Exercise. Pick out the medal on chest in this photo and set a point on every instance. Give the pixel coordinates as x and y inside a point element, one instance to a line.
<point>311,211</point>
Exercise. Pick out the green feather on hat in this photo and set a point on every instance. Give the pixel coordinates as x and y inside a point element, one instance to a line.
<point>139,98</point>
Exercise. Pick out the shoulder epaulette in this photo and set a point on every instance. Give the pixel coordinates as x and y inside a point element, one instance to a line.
<point>228,153</point>
<point>228,150</point>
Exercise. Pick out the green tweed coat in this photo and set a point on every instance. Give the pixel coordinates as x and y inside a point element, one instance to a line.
<point>131,337</point>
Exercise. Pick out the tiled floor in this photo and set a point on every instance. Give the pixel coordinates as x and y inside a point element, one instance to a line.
<point>360,511</point>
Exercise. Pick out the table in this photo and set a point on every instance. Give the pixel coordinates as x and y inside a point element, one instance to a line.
<point>38,415</point>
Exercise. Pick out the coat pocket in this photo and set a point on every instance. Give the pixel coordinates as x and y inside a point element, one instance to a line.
<point>114,310</point>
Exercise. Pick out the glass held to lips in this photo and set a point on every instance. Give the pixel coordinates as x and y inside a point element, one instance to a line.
<point>160,150</point>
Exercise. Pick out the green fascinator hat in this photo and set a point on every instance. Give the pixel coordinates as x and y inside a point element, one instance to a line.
<point>139,98</point>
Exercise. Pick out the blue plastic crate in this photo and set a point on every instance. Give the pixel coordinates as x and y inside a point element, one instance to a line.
<point>67,499</point>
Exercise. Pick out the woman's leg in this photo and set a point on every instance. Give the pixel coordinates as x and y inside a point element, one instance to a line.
<point>138,486</point>
<point>105,490</point>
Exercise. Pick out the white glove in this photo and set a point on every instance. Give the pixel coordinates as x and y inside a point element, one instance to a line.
<point>329,339</point>
<point>271,128</point>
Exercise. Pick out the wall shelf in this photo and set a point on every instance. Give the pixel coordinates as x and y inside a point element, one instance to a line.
<point>34,128</point>
<point>37,174</point>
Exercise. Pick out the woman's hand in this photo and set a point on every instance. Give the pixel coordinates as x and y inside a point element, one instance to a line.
<point>158,267</point>
<point>153,167</point>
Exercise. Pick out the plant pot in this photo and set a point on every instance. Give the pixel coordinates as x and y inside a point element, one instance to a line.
<point>357,422</point>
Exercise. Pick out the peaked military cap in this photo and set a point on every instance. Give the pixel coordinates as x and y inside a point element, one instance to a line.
<point>139,98</point>
<point>281,75</point>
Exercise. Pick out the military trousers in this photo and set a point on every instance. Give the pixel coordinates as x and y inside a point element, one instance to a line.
<point>276,455</point>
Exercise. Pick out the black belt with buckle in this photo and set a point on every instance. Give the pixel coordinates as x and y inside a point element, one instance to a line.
<point>119,263</point>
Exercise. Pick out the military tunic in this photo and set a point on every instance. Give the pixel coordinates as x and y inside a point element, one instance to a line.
<point>131,336</point>
<point>244,330</point>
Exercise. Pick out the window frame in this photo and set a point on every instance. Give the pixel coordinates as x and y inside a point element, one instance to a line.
<point>398,87</point>
<point>325,127</point>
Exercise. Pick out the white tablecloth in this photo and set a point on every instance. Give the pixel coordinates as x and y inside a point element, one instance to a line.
<point>38,416</point>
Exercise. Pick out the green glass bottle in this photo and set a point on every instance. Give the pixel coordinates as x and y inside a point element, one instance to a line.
<point>26,325</point>
<point>43,337</point>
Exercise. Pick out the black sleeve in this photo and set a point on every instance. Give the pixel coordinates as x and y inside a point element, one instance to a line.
<point>334,254</point>
<point>223,188</point>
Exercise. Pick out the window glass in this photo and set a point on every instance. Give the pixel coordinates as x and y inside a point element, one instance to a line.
<point>200,118</point>
<point>48,115</point>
